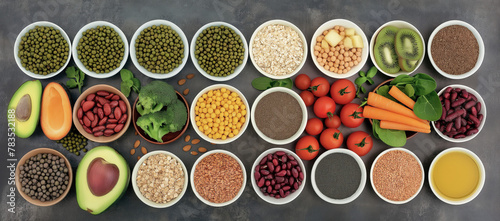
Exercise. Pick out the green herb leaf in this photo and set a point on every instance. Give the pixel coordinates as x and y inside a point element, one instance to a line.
<point>362,74</point>
<point>363,90</point>
<point>409,90</point>
<point>82,76</point>
<point>360,81</point>
<point>71,72</point>
<point>126,75</point>
<point>71,83</point>
<point>428,107</point>
<point>125,89</point>
<point>262,83</point>
<point>136,85</point>
<point>288,83</point>
<point>370,81</point>
<point>372,72</point>
<point>393,138</point>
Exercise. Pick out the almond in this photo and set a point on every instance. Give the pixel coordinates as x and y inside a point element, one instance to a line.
<point>190,76</point>
<point>202,149</point>
<point>137,143</point>
<point>186,148</point>
<point>132,151</point>
<point>187,138</point>
<point>181,82</point>
<point>143,150</point>
<point>195,141</point>
<point>194,153</point>
<point>186,91</point>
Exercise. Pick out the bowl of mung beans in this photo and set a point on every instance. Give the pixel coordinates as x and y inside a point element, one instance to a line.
<point>278,49</point>
<point>159,49</point>
<point>220,114</point>
<point>100,49</point>
<point>219,51</point>
<point>42,50</point>
<point>343,59</point>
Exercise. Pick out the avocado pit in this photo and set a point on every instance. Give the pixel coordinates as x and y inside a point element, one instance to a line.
<point>23,109</point>
<point>102,176</point>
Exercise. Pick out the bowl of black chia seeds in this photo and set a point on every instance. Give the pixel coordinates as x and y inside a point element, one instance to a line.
<point>42,50</point>
<point>43,176</point>
<point>338,176</point>
<point>219,51</point>
<point>159,49</point>
<point>100,49</point>
<point>279,115</point>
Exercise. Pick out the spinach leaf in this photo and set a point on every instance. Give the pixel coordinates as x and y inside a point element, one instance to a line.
<point>288,83</point>
<point>375,124</point>
<point>424,84</point>
<point>428,107</point>
<point>409,90</point>
<point>262,83</point>
<point>393,138</point>
<point>76,78</point>
<point>384,91</point>
<point>402,79</point>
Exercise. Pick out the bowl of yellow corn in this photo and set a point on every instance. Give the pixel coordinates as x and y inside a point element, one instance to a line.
<point>220,114</point>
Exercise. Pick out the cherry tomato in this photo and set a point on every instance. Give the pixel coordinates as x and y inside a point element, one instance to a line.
<point>319,86</point>
<point>302,81</point>
<point>307,148</point>
<point>314,126</point>
<point>307,97</point>
<point>324,106</point>
<point>360,142</point>
<point>343,91</point>
<point>331,138</point>
<point>351,115</point>
<point>333,121</point>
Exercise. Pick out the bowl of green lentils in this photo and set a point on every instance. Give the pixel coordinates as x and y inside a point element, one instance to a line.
<point>219,51</point>
<point>159,49</point>
<point>42,50</point>
<point>100,49</point>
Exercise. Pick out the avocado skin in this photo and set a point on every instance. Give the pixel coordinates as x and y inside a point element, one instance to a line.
<point>27,128</point>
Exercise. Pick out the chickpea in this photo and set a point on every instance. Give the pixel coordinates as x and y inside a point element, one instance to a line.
<point>316,53</point>
<point>317,48</point>
<point>320,59</point>
<point>327,67</point>
<point>320,38</point>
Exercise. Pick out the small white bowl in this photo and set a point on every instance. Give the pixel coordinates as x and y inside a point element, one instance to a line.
<point>138,192</point>
<point>174,27</point>
<point>482,175</point>
<point>80,34</point>
<point>483,112</point>
<point>479,42</point>
<point>18,41</point>
<point>397,24</point>
<point>293,27</point>
<point>195,61</point>
<point>362,182</point>
<point>347,24</point>
<point>270,199</point>
<point>239,192</point>
<point>421,168</point>
<point>192,114</point>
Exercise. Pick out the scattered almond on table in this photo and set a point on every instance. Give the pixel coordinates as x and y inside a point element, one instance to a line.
<point>181,82</point>
<point>137,143</point>
<point>187,138</point>
<point>195,141</point>
<point>186,148</point>
<point>190,76</point>
<point>144,150</point>
<point>132,151</point>
<point>202,149</point>
<point>186,91</point>
<point>194,153</point>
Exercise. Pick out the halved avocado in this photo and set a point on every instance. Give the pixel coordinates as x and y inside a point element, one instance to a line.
<point>101,178</point>
<point>25,107</point>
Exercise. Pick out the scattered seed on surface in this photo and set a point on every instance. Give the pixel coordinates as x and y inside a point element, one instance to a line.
<point>195,141</point>
<point>190,76</point>
<point>132,151</point>
<point>202,149</point>
<point>186,148</point>
<point>194,153</point>
<point>186,91</point>
<point>137,143</point>
<point>187,138</point>
<point>144,150</point>
<point>138,157</point>
<point>181,82</point>
<point>136,133</point>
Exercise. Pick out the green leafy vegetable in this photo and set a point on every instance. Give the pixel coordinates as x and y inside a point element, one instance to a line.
<point>129,82</point>
<point>384,91</point>
<point>364,77</point>
<point>154,96</point>
<point>424,84</point>
<point>428,107</point>
<point>264,83</point>
<point>157,124</point>
<point>393,138</point>
<point>76,78</point>
<point>409,90</point>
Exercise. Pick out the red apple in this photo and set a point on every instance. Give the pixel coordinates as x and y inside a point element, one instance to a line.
<point>102,176</point>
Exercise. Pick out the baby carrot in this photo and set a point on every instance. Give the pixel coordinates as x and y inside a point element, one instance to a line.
<point>399,126</point>
<point>380,114</point>
<point>401,97</point>
<point>379,101</point>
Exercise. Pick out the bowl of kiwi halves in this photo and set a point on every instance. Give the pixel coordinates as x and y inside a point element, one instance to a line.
<point>396,48</point>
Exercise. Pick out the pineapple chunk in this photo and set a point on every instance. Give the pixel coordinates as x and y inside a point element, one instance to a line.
<point>357,41</point>
<point>350,31</point>
<point>333,38</point>
<point>348,43</point>
<point>324,44</point>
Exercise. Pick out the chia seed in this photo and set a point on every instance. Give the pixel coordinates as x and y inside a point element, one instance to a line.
<point>338,176</point>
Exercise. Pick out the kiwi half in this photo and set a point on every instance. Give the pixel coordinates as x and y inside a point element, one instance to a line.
<point>385,56</point>
<point>408,44</point>
<point>407,65</point>
<point>387,32</point>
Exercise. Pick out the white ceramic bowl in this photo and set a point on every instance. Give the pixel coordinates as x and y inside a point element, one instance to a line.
<point>138,192</point>
<point>302,107</point>
<point>293,27</point>
<point>479,42</point>
<point>483,112</point>
<point>77,39</point>
<point>242,186</point>
<point>482,175</point>
<point>192,114</point>
<point>195,61</point>
<point>397,24</point>
<point>421,168</point>
<point>347,24</point>
<point>157,23</point>
<point>18,41</point>
<point>270,199</point>
<point>362,182</point>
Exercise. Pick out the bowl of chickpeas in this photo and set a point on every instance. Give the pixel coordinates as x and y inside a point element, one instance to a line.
<point>339,48</point>
<point>220,114</point>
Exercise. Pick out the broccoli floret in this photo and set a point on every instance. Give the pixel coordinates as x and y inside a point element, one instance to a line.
<point>177,116</point>
<point>154,96</point>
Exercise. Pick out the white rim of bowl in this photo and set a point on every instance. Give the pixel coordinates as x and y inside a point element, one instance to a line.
<point>94,25</point>
<point>238,69</point>
<point>285,23</point>
<point>481,171</point>
<point>421,168</point>
<point>143,70</point>
<point>240,192</point>
<point>364,57</point>
<point>146,200</point>
<point>192,114</point>
<point>270,199</point>
<point>483,112</point>
<point>362,183</point>
<point>18,41</point>
<point>479,40</point>
<point>398,24</point>
<point>302,107</point>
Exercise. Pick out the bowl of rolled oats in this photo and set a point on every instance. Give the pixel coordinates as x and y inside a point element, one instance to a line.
<point>278,49</point>
<point>160,179</point>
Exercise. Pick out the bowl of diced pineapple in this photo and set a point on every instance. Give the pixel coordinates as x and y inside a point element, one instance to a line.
<point>339,48</point>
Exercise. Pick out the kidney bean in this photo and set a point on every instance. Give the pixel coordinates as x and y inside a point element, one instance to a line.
<point>270,177</point>
<point>108,132</point>
<point>438,124</point>
<point>281,173</point>
<point>286,188</point>
<point>100,113</point>
<point>265,172</point>
<point>473,111</point>
<point>102,100</point>
<point>473,97</point>
<point>442,128</point>
<point>443,114</point>
<point>88,130</point>
<point>296,185</point>
<point>123,106</point>
<point>110,126</point>
<point>280,153</point>
<point>469,104</point>
<point>264,190</point>
<point>115,97</point>
<point>454,115</point>
<point>113,104</point>
<point>294,163</point>
<point>468,127</point>
<point>448,126</point>
<point>290,157</point>
<point>98,133</point>
<point>474,120</point>
<point>102,121</point>
<point>458,136</point>
<point>95,109</point>
<point>446,95</point>
<point>269,189</point>
<point>480,117</point>
<point>263,161</point>
<point>261,182</point>
<point>283,167</point>
<point>256,175</point>
<point>270,166</point>
<point>81,122</point>
<point>462,130</point>
<point>87,105</point>
<point>79,113</point>
<point>463,121</point>
<point>117,113</point>
<point>478,107</point>
<point>106,109</point>
<point>298,168</point>
<point>458,102</point>
<point>82,102</point>
<point>458,122</point>
<point>109,96</point>
<point>472,132</point>
<point>295,173</point>
<point>90,115</point>
<point>269,157</point>
<point>289,165</point>
<point>95,121</point>
<point>277,186</point>
<point>284,159</point>
<point>273,182</point>
<point>464,93</point>
<point>90,97</point>
<point>447,104</point>
<point>280,179</point>
<point>453,95</point>
<point>288,173</point>
<point>112,121</point>
<point>448,89</point>
<point>275,162</point>
<point>86,121</point>
<point>98,128</point>
<point>102,93</point>
<point>268,183</point>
